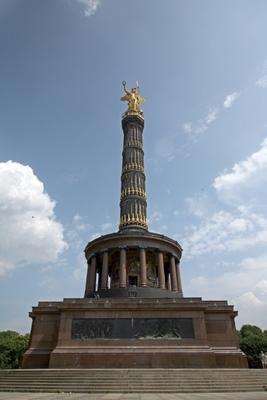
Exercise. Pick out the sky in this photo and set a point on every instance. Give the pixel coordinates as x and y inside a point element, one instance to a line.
<point>202,67</point>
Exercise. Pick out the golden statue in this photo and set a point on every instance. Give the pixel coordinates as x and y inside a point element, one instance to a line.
<point>134,99</point>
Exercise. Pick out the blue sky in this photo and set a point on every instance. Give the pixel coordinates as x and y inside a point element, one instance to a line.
<point>202,67</point>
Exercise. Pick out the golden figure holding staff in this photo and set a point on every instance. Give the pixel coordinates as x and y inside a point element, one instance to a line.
<point>134,99</point>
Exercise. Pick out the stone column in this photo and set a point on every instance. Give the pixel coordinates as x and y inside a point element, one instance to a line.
<point>161,273</point>
<point>87,279</point>
<point>173,275</point>
<point>122,267</point>
<point>169,285</point>
<point>91,276</point>
<point>179,281</point>
<point>143,267</point>
<point>104,273</point>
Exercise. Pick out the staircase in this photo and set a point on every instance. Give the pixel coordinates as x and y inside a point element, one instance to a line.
<point>133,380</point>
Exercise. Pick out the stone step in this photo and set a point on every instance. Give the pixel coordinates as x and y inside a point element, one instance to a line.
<point>116,384</point>
<point>143,382</point>
<point>134,371</point>
<point>93,372</point>
<point>224,390</point>
<point>79,380</point>
<point>169,377</point>
<point>132,376</point>
<point>136,387</point>
<point>133,381</point>
<point>127,385</point>
<point>142,379</point>
<point>252,382</point>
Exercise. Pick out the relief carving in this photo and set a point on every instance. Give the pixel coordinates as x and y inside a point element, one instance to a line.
<point>132,328</point>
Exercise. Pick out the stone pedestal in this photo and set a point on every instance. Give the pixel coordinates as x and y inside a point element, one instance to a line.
<point>133,333</point>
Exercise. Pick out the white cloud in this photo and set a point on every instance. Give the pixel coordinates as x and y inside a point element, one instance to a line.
<point>187,127</point>
<point>29,232</point>
<point>233,228</point>
<point>5,266</point>
<point>77,236</point>
<point>79,224</point>
<point>255,263</point>
<point>196,129</point>
<point>261,286</point>
<point>262,82</point>
<point>230,99</point>
<point>225,231</point>
<point>237,227</point>
<point>95,235</point>
<point>248,298</point>
<point>166,147</point>
<point>237,230</point>
<point>156,216</point>
<point>244,173</point>
<point>106,227</point>
<point>76,231</point>
<point>211,116</point>
<point>80,269</point>
<point>199,205</point>
<point>90,6</point>
<point>245,287</point>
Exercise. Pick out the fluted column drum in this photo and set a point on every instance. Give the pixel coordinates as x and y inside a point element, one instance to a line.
<point>133,205</point>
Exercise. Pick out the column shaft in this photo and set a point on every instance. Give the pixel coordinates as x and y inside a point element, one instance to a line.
<point>104,274</point>
<point>173,275</point>
<point>91,276</point>
<point>87,288</point>
<point>122,268</point>
<point>169,285</point>
<point>161,273</point>
<point>143,267</point>
<point>179,281</point>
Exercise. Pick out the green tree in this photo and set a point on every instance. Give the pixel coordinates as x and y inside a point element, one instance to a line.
<point>253,342</point>
<point>12,347</point>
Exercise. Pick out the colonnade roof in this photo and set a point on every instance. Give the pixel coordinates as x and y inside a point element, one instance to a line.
<point>141,238</point>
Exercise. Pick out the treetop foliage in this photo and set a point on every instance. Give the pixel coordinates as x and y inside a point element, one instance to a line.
<point>253,342</point>
<point>12,347</point>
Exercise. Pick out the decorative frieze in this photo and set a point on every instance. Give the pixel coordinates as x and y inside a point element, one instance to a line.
<point>134,143</point>
<point>133,191</point>
<point>133,167</point>
<point>133,219</point>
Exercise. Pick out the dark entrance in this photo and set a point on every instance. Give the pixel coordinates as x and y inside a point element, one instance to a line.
<point>133,281</point>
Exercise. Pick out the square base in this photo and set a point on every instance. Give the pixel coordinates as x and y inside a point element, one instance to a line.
<point>134,333</point>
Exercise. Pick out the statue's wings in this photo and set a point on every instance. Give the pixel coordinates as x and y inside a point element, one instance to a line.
<point>141,99</point>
